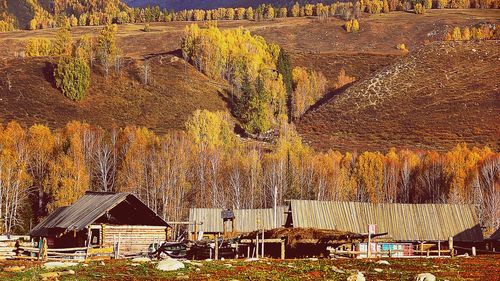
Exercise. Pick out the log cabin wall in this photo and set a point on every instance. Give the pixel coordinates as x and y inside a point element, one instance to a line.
<point>133,239</point>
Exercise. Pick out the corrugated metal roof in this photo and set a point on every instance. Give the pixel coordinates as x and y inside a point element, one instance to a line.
<point>86,210</point>
<point>403,222</point>
<point>246,220</point>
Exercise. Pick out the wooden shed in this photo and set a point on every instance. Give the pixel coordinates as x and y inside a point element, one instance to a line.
<point>101,219</point>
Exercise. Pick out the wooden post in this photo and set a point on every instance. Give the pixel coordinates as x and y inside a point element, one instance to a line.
<point>217,247</point>
<point>428,253</point>
<point>248,251</point>
<point>237,250</point>
<point>369,250</point>
<point>390,255</point>
<point>282,249</point>
<point>257,245</point>
<point>473,251</point>
<point>439,248</point>
<point>263,241</point>
<point>450,245</point>
<point>195,234</point>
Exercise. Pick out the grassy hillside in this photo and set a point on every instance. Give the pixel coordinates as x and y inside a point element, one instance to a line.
<point>29,96</point>
<point>323,46</point>
<point>440,95</point>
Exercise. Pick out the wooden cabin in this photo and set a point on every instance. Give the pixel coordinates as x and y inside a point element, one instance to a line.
<point>100,219</point>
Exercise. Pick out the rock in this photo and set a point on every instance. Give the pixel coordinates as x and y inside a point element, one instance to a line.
<point>251,259</point>
<point>313,259</point>
<point>85,265</point>
<point>337,270</point>
<point>378,270</point>
<point>49,275</point>
<point>208,260</point>
<point>425,277</point>
<point>222,259</point>
<point>356,277</point>
<point>102,263</point>
<point>197,269</point>
<point>67,272</point>
<point>135,264</point>
<point>169,265</point>
<point>14,268</point>
<point>58,264</point>
<point>140,260</point>
<point>228,265</point>
<point>193,263</point>
<point>383,262</point>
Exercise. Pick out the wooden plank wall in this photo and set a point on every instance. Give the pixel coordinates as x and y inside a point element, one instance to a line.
<point>133,238</point>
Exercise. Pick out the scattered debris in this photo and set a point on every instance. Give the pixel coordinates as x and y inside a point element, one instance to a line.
<point>141,260</point>
<point>14,268</point>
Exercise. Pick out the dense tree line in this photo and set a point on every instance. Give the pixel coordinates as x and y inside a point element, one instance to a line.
<point>66,13</point>
<point>209,166</point>
<point>260,74</point>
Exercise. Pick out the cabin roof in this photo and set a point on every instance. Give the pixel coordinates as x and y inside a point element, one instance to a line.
<point>246,220</point>
<point>402,222</point>
<point>96,207</point>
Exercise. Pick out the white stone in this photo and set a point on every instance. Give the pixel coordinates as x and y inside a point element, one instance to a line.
<point>378,270</point>
<point>356,277</point>
<point>58,264</point>
<point>169,265</point>
<point>251,259</point>
<point>425,277</point>
<point>140,260</point>
<point>313,259</point>
<point>228,265</point>
<point>383,262</point>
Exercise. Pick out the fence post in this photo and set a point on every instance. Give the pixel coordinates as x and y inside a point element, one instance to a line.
<point>450,245</point>
<point>217,247</point>
<point>282,249</point>
<point>473,251</point>
<point>439,248</point>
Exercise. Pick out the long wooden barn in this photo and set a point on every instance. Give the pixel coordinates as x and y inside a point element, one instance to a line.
<point>209,220</point>
<point>101,219</point>
<point>402,222</point>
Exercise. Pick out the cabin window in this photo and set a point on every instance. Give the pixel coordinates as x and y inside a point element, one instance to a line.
<point>95,237</point>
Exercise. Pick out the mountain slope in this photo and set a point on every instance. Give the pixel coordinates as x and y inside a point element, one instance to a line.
<point>28,95</point>
<point>443,94</point>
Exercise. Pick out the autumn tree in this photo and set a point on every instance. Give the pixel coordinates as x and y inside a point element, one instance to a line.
<point>107,51</point>
<point>72,75</point>
<point>63,43</point>
<point>295,10</point>
<point>308,87</point>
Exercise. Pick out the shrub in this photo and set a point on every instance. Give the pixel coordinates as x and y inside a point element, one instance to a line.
<point>441,4</point>
<point>456,35</point>
<point>147,28</point>
<point>466,34</point>
<point>72,75</point>
<point>402,47</point>
<point>38,47</point>
<point>419,9</point>
<point>428,4</point>
<point>352,25</point>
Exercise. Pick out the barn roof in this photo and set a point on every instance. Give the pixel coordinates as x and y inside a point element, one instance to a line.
<point>402,222</point>
<point>245,219</point>
<point>93,207</point>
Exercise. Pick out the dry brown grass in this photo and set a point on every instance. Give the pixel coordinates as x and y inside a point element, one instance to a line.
<point>323,46</point>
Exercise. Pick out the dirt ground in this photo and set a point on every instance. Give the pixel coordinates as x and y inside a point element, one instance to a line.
<point>477,268</point>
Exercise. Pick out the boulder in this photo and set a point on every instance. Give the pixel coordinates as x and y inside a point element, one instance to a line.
<point>58,264</point>
<point>169,265</point>
<point>356,277</point>
<point>425,277</point>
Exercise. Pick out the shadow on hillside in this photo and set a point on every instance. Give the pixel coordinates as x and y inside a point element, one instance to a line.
<point>176,53</point>
<point>328,97</point>
<point>48,74</point>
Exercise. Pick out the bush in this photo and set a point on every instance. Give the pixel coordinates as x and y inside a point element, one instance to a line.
<point>352,25</point>
<point>147,28</point>
<point>402,47</point>
<point>38,47</point>
<point>72,75</point>
<point>419,9</point>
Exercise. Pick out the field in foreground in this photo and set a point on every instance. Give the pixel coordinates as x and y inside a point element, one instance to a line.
<point>483,267</point>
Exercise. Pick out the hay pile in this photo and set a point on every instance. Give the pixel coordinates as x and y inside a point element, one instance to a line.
<point>295,235</point>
